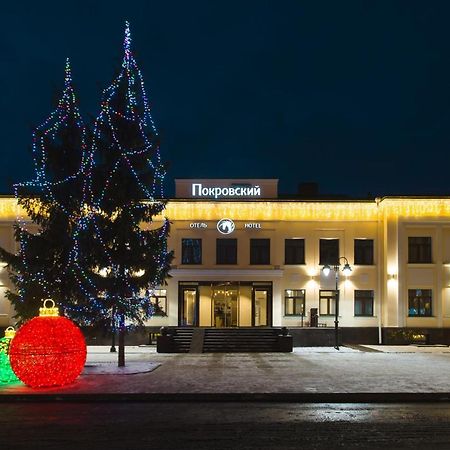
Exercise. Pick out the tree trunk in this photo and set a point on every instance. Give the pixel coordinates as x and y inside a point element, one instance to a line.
<point>121,354</point>
<point>113,328</point>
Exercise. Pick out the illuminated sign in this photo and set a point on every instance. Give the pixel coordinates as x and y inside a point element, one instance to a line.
<point>198,225</point>
<point>234,191</point>
<point>225,226</point>
<point>252,225</point>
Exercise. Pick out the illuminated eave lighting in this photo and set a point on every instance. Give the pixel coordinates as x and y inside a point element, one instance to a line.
<point>283,210</point>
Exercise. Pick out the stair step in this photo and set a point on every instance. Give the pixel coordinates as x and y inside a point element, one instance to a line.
<point>243,340</point>
<point>227,340</point>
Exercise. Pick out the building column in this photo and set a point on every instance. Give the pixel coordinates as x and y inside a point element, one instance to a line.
<point>392,276</point>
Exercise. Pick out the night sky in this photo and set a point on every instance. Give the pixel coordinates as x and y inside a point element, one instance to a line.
<point>352,94</point>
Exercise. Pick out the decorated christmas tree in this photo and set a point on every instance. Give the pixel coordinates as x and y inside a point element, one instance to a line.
<point>97,244</point>
<point>52,200</point>
<point>124,248</point>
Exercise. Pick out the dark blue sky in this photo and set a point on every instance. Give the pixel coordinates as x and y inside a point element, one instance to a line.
<point>352,94</point>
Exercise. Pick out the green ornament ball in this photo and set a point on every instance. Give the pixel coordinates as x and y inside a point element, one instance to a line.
<point>6,373</point>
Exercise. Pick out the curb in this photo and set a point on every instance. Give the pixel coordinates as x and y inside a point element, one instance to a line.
<point>335,397</point>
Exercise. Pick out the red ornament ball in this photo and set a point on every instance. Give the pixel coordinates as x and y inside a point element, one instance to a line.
<point>48,351</point>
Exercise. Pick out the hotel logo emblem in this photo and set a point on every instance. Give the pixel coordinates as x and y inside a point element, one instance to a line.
<point>225,226</point>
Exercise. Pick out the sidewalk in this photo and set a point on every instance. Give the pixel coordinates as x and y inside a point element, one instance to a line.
<point>361,373</point>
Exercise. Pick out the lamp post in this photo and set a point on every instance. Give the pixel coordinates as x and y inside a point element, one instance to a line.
<point>346,270</point>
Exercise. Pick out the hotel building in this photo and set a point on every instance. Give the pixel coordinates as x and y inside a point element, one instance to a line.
<point>246,258</point>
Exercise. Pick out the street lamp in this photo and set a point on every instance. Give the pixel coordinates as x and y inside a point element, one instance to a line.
<point>346,270</point>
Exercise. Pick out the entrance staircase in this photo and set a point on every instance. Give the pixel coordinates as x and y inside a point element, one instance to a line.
<point>224,340</point>
<point>182,338</point>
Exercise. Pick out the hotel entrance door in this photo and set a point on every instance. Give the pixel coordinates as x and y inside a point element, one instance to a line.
<point>188,313</point>
<point>225,304</point>
<point>224,299</point>
<point>260,311</point>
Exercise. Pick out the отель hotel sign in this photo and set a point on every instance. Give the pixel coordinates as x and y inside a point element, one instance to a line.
<point>225,226</point>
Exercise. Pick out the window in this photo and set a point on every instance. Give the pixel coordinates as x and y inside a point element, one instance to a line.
<point>329,251</point>
<point>259,251</point>
<point>294,302</point>
<point>419,250</point>
<point>363,303</point>
<point>363,252</point>
<point>158,298</point>
<point>226,251</point>
<point>294,251</point>
<point>191,251</point>
<point>327,303</point>
<point>419,302</point>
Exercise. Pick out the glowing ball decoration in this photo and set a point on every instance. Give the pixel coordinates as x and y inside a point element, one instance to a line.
<point>6,373</point>
<point>48,350</point>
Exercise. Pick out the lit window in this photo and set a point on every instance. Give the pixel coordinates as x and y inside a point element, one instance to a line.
<point>419,302</point>
<point>294,302</point>
<point>327,302</point>
<point>158,298</point>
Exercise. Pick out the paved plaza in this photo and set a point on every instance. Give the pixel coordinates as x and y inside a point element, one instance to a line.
<point>318,370</point>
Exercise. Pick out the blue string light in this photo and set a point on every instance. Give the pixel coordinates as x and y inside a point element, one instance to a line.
<point>91,213</point>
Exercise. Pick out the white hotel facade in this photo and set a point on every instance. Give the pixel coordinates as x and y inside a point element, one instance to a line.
<point>246,258</point>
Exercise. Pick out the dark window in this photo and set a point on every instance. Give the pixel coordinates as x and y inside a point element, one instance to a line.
<point>294,302</point>
<point>327,303</point>
<point>329,251</point>
<point>158,299</point>
<point>419,250</point>
<point>419,302</point>
<point>191,251</point>
<point>363,303</point>
<point>226,251</point>
<point>294,251</point>
<point>364,251</point>
<point>259,251</point>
